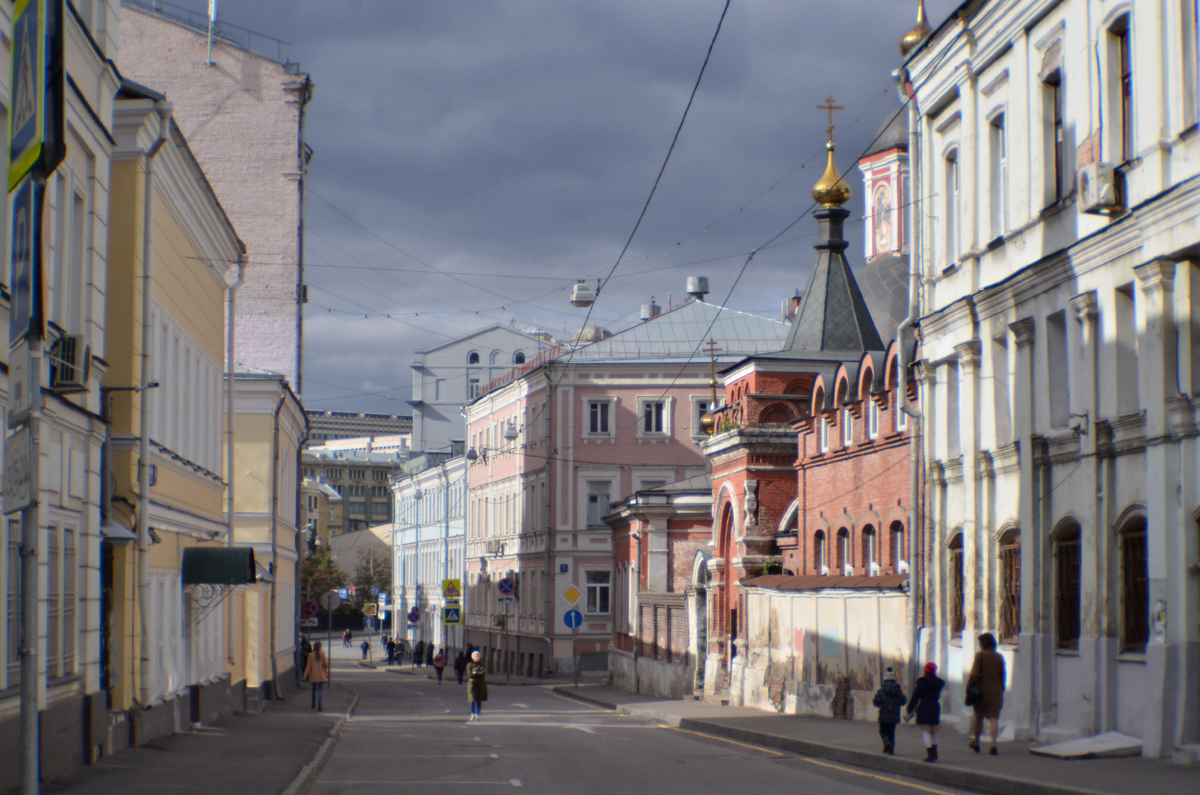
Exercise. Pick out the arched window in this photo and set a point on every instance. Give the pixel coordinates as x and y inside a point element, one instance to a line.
<point>843,550</point>
<point>958,615</point>
<point>896,549</point>
<point>519,357</point>
<point>1135,586</point>
<point>495,359</point>
<point>870,550</point>
<point>774,415</point>
<point>820,564</point>
<point>1068,575</point>
<point>472,358</point>
<point>1010,585</point>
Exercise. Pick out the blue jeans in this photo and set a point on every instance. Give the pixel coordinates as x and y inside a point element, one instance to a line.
<point>475,707</point>
<point>317,691</point>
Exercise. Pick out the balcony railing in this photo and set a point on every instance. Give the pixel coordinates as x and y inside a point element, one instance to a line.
<point>268,47</point>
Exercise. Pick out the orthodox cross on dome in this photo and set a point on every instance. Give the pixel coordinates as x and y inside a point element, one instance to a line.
<point>830,108</point>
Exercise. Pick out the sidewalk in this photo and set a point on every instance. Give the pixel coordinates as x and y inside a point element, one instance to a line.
<point>249,754</point>
<point>1014,772</point>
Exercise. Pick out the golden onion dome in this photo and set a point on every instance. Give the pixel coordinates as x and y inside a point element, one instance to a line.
<point>918,32</point>
<point>831,190</point>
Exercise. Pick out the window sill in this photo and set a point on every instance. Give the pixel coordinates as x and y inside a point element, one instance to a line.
<point>1066,651</point>
<point>1132,657</point>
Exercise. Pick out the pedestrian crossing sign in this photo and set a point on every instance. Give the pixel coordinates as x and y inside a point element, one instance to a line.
<point>451,589</point>
<point>452,615</point>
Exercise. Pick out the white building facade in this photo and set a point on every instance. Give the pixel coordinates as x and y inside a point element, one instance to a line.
<point>427,548</point>
<point>449,376</point>
<point>1058,186</point>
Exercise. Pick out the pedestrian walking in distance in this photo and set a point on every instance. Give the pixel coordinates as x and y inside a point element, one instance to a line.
<point>928,708</point>
<point>316,671</point>
<point>391,650</point>
<point>889,699</point>
<point>460,666</point>
<point>366,647</point>
<point>439,663</point>
<point>429,654</point>
<point>985,689</point>
<point>476,684</point>
<point>419,653</point>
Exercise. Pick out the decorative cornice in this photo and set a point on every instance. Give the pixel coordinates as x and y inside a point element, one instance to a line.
<point>1086,305</point>
<point>1155,275</point>
<point>1022,330</point>
<point>968,354</point>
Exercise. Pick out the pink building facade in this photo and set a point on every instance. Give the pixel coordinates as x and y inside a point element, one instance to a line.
<point>554,445</point>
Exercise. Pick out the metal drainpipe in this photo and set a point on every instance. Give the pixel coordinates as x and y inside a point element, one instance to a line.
<point>274,533</point>
<point>229,473</point>
<point>143,525</point>
<point>637,610</point>
<point>549,499</point>
<point>306,95</point>
<point>915,430</point>
<point>445,543</point>
<point>299,574</point>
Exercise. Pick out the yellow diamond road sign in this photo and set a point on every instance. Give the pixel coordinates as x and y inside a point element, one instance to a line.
<point>572,594</point>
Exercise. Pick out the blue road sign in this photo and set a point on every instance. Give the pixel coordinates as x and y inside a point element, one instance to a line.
<point>414,616</point>
<point>573,619</point>
<point>452,615</point>
<point>507,586</point>
<point>343,593</point>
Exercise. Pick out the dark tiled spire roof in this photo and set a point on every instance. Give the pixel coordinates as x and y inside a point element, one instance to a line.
<point>833,315</point>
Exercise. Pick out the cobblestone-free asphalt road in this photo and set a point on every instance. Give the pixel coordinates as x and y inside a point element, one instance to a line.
<point>410,735</point>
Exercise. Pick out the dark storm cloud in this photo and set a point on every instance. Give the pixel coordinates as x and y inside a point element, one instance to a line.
<point>521,139</point>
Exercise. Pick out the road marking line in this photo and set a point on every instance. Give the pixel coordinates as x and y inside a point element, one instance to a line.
<point>417,756</point>
<point>516,782</point>
<point>512,782</point>
<point>727,740</point>
<point>875,776</point>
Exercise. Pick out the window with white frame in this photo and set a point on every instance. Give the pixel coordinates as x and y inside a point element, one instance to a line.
<point>472,388</point>
<point>654,417</point>
<point>872,418</point>
<point>901,416</point>
<point>847,427</point>
<point>950,209</point>
<point>599,417</point>
<point>598,493</point>
<point>999,176</point>
<point>823,433</point>
<point>598,585</point>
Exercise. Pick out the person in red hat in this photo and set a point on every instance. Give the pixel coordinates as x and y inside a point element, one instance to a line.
<point>925,703</point>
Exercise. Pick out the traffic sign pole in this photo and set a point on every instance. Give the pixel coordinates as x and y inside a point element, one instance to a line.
<point>575,650</point>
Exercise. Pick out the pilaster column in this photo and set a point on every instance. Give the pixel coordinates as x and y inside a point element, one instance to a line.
<point>975,546</point>
<point>1166,665</point>
<point>1097,650</point>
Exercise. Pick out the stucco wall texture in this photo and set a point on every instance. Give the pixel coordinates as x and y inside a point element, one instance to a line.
<point>242,119</point>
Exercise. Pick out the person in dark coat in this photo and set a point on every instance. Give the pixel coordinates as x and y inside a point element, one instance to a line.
<point>366,648</point>
<point>460,666</point>
<point>391,650</point>
<point>889,699</point>
<point>439,664</point>
<point>429,655</point>
<point>476,684</point>
<point>925,702</point>
<point>988,670</point>
<point>419,653</point>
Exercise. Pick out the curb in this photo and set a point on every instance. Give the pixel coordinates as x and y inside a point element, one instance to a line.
<point>308,774</point>
<point>962,778</point>
<point>572,693</point>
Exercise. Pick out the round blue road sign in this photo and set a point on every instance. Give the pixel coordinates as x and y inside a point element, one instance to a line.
<point>573,619</point>
<point>506,586</point>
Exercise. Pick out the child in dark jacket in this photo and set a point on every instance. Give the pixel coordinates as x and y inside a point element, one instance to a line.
<point>889,698</point>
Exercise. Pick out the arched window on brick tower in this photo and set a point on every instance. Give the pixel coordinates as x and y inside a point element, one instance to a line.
<point>870,550</point>
<point>774,415</point>
<point>820,553</point>
<point>843,551</point>
<point>897,550</point>
<point>957,606</point>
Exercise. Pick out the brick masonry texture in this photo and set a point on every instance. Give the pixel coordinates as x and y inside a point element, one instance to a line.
<point>241,118</point>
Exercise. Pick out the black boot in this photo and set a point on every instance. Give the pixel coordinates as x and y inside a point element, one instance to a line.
<point>933,753</point>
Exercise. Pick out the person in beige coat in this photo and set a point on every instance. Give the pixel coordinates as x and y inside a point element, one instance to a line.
<point>316,671</point>
<point>988,670</point>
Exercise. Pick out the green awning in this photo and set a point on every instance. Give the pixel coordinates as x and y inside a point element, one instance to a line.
<point>218,566</point>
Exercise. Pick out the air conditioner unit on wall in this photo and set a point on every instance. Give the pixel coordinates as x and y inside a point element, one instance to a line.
<point>1098,190</point>
<point>70,364</point>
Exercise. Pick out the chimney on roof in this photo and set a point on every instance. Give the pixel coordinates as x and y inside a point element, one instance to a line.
<point>650,310</point>
<point>697,287</point>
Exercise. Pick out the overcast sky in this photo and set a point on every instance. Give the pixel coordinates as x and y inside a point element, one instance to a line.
<point>514,142</point>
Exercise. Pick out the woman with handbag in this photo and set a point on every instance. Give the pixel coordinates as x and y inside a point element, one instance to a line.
<point>316,672</point>
<point>985,689</point>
